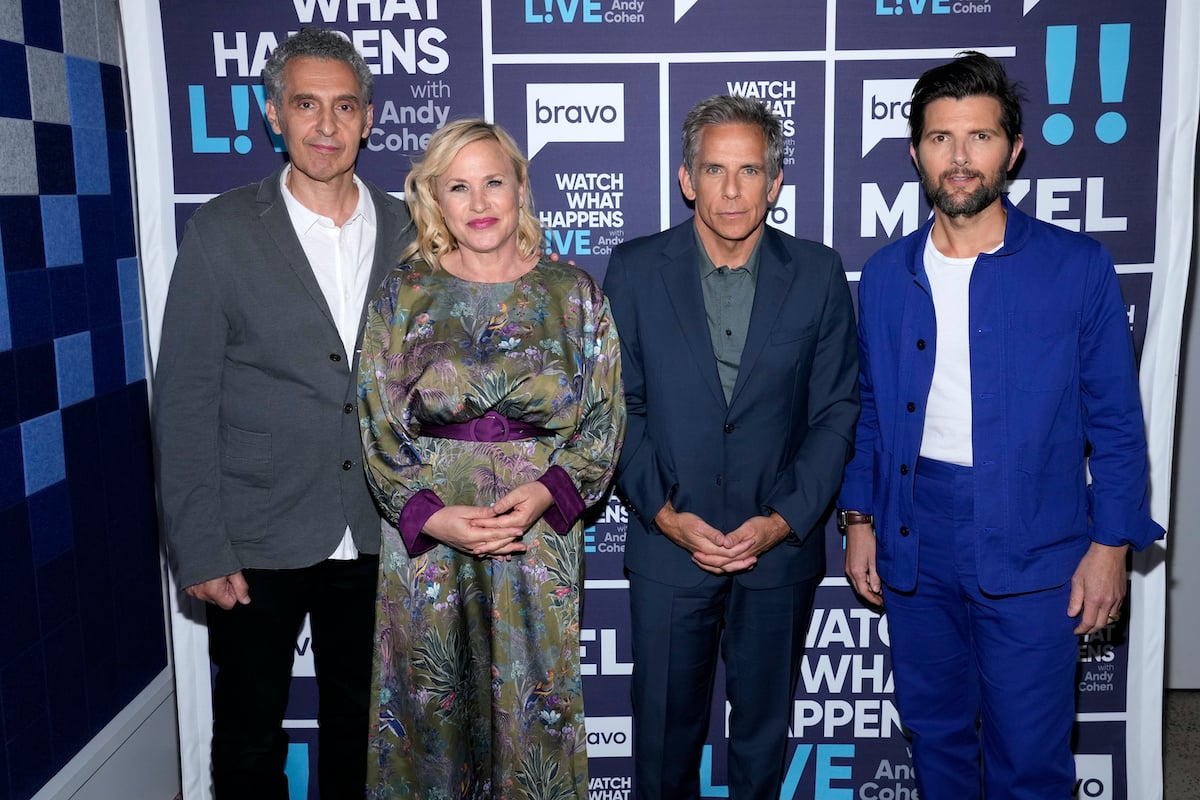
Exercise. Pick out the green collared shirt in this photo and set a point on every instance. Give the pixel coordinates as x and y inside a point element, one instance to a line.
<point>728,299</point>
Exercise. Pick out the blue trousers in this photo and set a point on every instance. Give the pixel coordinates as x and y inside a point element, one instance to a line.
<point>985,683</point>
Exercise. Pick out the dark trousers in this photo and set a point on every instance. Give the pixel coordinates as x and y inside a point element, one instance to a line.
<point>677,636</point>
<point>253,646</point>
<point>984,683</point>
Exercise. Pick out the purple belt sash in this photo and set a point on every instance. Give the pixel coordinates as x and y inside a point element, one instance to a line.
<point>491,427</point>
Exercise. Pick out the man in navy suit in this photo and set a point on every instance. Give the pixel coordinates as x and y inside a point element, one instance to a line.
<point>740,366</point>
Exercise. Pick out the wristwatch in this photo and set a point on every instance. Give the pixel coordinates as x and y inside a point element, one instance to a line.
<point>847,518</point>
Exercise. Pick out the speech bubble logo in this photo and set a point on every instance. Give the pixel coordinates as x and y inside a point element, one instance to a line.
<point>574,112</point>
<point>1029,4</point>
<point>885,111</point>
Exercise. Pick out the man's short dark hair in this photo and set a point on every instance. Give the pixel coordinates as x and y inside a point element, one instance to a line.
<point>727,109</point>
<point>970,74</point>
<point>315,43</point>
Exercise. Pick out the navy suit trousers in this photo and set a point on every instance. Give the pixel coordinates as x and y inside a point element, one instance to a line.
<point>678,634</point>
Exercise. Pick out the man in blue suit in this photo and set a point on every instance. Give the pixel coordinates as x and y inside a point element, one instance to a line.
<point>997,373</point>
<point>739,361</point>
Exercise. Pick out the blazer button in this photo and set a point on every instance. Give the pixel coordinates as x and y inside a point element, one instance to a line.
<point>335,356</point>
<point>729,427</point>
<point>920,344</point>
<point>911,407</point>
<point>349,408</point>
<point>347,465</point>
<point>904,469</point>
<point>904,530</point>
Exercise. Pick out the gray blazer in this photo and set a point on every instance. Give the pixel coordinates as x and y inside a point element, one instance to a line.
<point>257,450</point>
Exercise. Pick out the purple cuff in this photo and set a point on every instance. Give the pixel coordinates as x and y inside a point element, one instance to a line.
<point>568,504</point>
<point>417,511</point>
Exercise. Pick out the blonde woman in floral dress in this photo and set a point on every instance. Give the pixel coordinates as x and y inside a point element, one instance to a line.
<point>492,415</point>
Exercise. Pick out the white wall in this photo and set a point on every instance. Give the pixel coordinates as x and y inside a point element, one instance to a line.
<point>136,757</point>
<point>1183,560</point>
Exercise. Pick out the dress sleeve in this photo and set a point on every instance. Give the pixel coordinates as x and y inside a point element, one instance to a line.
<point>582,466</point>
<point>397,474</point>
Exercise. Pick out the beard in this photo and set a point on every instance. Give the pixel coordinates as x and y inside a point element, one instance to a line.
<point>955,204</point>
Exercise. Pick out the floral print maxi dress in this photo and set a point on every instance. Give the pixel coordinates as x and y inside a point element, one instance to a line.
<point>476,672</point>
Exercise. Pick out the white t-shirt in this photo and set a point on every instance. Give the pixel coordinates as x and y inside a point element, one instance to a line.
<point>947,433</point>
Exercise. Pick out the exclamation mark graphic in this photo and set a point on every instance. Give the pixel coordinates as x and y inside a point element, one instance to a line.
<point>1060,72</point>
<point>1114,68</point>
<point>296,769</point>
<point>260,94</point>
<point>241,116</point>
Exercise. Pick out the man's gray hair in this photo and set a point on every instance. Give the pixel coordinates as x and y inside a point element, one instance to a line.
<point>315,43</point>
<point>727,109</point>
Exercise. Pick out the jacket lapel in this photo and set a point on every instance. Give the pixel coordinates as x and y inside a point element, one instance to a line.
<point>775,275</point>
<point>681,276</point>
<point>275,220</point>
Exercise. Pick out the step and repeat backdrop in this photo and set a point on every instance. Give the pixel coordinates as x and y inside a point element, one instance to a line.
<point>596,91</point>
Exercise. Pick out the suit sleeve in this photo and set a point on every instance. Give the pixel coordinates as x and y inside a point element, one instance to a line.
<point>804,491</point>
<point>644,480</point>
<point>1118,499</point>
<point>857,484</point>
<point>187,397</point>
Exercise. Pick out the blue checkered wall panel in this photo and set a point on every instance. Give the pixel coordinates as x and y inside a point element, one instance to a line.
<point>82,628</point>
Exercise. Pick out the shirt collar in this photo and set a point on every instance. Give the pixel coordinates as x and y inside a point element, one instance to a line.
<point>303,218</point>
<point>707,267</point>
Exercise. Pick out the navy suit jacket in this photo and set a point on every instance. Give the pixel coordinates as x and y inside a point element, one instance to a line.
<point>781,442</point>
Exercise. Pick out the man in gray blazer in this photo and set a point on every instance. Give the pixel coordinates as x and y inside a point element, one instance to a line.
<point>265,509</point>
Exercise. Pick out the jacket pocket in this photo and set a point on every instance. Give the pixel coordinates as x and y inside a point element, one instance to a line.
<point>246,479</point>
<point>246,456</point>
<point>1051,495</point>
<point>1043,356</point>
<point>786,334</point>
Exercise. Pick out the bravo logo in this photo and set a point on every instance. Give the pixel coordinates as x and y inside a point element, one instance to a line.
<point>1093,777</point>
<point>783,214</point>
<point>574,112</point>
<point>885,108</point>
<point>609,737</point>
<point>303,666</point>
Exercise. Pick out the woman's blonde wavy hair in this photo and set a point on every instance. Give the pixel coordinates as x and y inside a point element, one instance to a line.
<point>433,239</point>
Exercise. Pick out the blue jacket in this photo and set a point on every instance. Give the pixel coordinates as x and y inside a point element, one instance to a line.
<point>1052,372</point>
